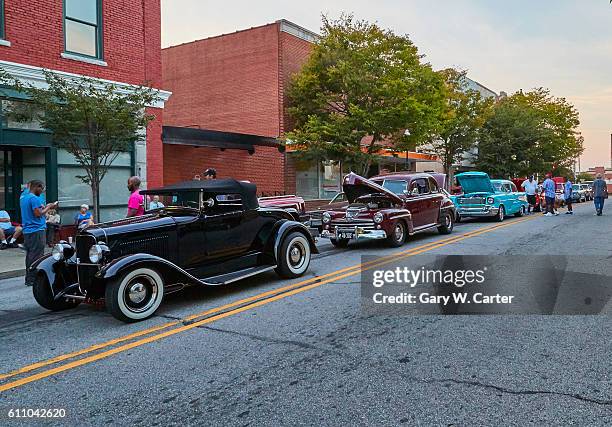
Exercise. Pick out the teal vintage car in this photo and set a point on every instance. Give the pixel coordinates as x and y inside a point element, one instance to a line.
<point>485,197</point>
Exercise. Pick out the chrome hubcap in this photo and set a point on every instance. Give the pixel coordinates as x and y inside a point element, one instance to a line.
<point>399,232</point>
<point>137,293</point>
<point>295,255</point>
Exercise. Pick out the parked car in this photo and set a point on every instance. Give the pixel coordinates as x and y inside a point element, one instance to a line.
<point>339,201</point>
<point>588,191</point>
<point>292,204</point>
<point>209,233</point>
<point>484,197</point>
<point>389,208</point>
<point>579,193</point>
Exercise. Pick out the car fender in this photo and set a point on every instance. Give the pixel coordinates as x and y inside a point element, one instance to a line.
<point>46,265</point>
<point>119,265</point>
<point>283,228</point>
<point>392,215</point>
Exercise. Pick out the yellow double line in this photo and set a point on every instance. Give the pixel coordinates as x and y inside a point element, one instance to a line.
<point>218,313</point>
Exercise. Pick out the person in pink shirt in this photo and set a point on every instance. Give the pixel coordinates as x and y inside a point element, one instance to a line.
<point>136,201</point>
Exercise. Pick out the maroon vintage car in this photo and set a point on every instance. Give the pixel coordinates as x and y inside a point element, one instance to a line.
<point>390,208</point>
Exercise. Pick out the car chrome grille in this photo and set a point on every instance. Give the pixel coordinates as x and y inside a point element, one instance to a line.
<point>472,201</point>
<point>351,224</point>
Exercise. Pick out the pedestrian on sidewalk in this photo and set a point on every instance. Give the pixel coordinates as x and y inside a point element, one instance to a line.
<point>33,214</point>
<point>136,201</point>
<point>7,230</point>
<point>53,220</point>
<point>567,194</point>
<point>83,217</point>
<point>549,194</point>
<point>530,186</point>
<point>600,193</point>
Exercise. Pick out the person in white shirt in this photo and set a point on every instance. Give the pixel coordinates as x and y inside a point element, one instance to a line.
<point>155,203</point>
<point>530,186</point>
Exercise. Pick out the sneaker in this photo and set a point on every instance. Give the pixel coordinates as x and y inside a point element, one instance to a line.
<point>13,245</point>
<point>548,214</point>
<point>556,213</point>
<point>3,246</point>
<point>569,213</point>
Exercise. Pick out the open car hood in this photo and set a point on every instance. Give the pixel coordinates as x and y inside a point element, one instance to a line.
<point>475,182</point>
<point>355,186</point>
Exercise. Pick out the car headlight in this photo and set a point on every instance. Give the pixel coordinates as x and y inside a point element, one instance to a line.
<point>96,253</point>
<point>378,217</point>
<point>58,252</point>
<point>490,200</point>
<point>326,218</point>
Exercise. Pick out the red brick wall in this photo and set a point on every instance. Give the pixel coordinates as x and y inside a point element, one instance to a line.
<point>227,83</point>
<point>132,49</point>
<point>155,149</point>
<point>264,168</point>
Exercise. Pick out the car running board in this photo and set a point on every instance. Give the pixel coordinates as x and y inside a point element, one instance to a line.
<point>225,279</point>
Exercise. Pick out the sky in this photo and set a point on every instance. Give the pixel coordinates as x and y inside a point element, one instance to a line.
<point>563,45</point>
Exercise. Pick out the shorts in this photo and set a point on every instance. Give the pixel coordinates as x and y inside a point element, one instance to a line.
<point>531,199</point>
<point>9,231</point>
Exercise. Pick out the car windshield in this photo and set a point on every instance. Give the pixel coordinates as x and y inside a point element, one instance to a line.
<point>396,186</point>
<point>575,187</point>
<point>188,199</point>
<point>497,185</point>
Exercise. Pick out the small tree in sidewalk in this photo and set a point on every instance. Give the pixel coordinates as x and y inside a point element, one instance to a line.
<point>91,120</point>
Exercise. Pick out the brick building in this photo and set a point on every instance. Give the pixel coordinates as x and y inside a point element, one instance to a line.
<point>109,40</point>
<point>233,84</point>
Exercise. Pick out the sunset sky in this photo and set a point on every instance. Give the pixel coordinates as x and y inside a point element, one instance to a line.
<point>563,45</point>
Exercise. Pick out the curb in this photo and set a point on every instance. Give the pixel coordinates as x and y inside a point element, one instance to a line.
<point>12,273</point>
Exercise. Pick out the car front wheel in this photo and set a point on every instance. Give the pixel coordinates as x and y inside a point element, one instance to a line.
<point>397,237</point>
<point>520,212</point>
<point>447,224</point>
<point>501,214</point>
<point>43,296</point>
<point>294,256</point>
<point>135,295</point>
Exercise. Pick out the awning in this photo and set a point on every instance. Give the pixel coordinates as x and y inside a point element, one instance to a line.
<point>173,135</point>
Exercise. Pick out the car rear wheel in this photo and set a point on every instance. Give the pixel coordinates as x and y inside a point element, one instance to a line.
<point>294,256</point>
<point>520,212</point>
<point>447,224</point>
<point>398,235</point>
<point>135,295</point>
<point>43,296</point>
<point>340,243</point>
<point>501,214</point>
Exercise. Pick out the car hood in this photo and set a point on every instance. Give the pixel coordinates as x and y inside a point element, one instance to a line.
<point>128,225</point>
<point>355,186</point>
<point>475,183</point>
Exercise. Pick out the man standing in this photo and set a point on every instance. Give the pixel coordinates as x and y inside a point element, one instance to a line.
<point>567,195</point>
<point>530,186</point>
<point>549,193</point>
<point>33,213</point>
<point>600,192</point>
<point>136,201</point>
<point>7,230</point>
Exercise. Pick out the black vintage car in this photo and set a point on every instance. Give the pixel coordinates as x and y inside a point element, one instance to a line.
<point>207,233</point>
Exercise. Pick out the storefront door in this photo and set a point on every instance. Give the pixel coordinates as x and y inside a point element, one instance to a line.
<point>10,175</point>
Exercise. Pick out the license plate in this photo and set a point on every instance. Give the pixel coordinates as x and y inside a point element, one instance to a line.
<point>345,235</point>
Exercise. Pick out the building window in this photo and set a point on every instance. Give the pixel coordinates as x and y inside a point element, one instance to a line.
<point>82,27</point>
<point>2,19</point>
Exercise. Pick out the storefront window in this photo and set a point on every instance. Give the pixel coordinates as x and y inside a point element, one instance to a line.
<point>318,180</point>
<point>18,115</point>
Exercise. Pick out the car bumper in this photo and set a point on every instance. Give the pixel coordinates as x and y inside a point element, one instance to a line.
<point>478,211</point>
<point>358,234</point>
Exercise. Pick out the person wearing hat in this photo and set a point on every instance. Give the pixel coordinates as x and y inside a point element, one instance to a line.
<point>83,218</point>
<point>600,193</point>
<point>210,173</point>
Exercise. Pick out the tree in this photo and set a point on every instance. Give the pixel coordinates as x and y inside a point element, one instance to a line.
<point>530,132</point>
<point>362,80</point>
<point>93,121</point>
<point>462,117</point>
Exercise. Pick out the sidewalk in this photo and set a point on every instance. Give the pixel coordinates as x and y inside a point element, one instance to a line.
<point>12,263</point>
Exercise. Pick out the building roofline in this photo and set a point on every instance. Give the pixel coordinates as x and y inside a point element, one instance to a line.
<point>285,26</point>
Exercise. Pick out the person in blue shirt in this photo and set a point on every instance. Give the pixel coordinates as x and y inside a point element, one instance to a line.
<point>567,195</point>
<point>549,194</point>
<point>33,211</point>
<point>83,218</point>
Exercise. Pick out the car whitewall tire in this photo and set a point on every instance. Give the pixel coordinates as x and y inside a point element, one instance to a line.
<point>294,256</point>
<point>136,295</point>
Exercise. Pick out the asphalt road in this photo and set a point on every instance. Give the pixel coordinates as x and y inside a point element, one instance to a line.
<point>311,355</point>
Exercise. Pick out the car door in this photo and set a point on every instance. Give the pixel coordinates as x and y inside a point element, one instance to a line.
<point>435,201</point>
<point>511,198</point>
<point>417,202</point>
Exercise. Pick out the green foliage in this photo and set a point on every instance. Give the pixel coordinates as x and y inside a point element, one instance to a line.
<point>362,80</point>
<point>584,176</point>
<point>463,115</point>
<point>93,121</point>
<point>530,132</point>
